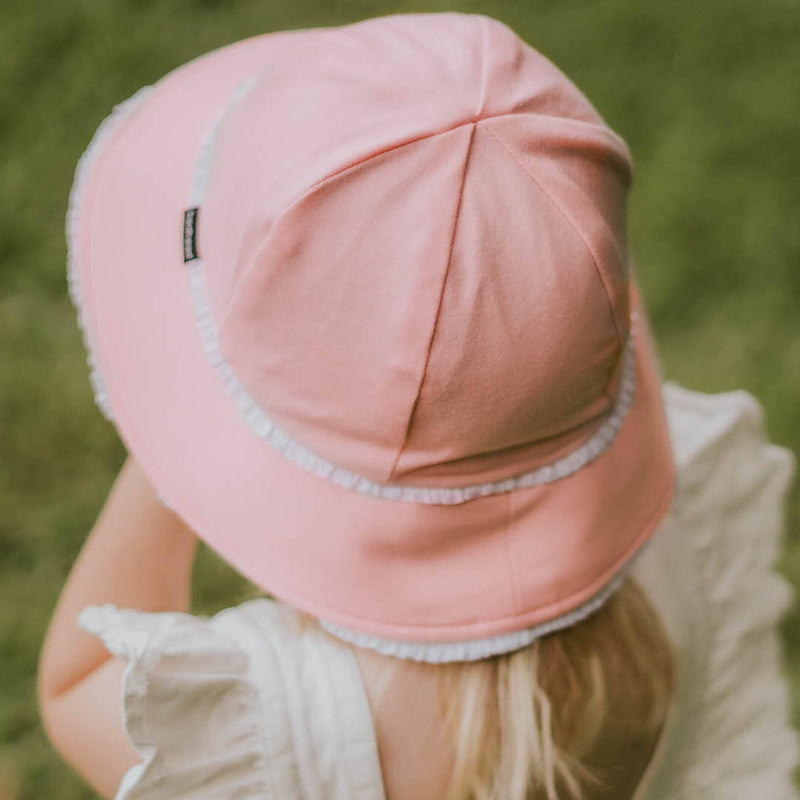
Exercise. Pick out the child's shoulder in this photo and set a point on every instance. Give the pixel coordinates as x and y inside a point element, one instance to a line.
<point>710,572</point>
<point>247,703</point>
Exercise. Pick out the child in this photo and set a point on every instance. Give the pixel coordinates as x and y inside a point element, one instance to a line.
<point>403,381</point>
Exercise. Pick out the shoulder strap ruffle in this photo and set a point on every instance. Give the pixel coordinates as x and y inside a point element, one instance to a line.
<point>318,679</point>
<point>244,704</point>
<point>710,572</point>
<point>190,708</point>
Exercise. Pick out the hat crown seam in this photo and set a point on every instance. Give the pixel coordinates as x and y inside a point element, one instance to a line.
<point>434,326</point>
<point>621,334</point>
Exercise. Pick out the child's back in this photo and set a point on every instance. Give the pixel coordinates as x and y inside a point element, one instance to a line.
<point>260,698</point>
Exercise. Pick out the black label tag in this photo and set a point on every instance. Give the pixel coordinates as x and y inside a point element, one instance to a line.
<point>190,234</point>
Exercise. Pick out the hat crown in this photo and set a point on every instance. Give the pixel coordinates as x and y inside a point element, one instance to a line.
<point>432,204</point>
<point>402,257</point>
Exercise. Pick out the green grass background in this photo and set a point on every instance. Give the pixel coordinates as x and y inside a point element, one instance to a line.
<point>705,93</point>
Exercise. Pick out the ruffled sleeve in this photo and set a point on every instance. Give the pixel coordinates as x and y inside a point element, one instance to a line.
<point>190,707</point>
<point>711,574</point>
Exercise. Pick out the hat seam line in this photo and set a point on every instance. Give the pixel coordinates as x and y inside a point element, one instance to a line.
<point>435,325</point>
<point>589,248</point>
<point>139,427</point>
<point>266,428</point>
<point>618,565</point>
<point>317,185</point>
<point>484,71</point>
<point>343,169</point>
<point>621,563</point>
<point>389,148</point>
<point>516,594</point>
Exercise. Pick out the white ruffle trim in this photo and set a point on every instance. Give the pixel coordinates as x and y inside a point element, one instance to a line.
<point>183,675</point>
<point>265,428</point>
<point>138,646</point>
<point>103,132</point>
<point>475,649</point>
<point>255,417</point>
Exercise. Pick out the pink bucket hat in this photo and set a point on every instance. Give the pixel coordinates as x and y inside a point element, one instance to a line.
<point>358,300</point>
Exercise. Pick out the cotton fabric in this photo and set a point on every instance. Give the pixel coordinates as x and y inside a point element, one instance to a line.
<point>409,344</point>
<point>244,705</point>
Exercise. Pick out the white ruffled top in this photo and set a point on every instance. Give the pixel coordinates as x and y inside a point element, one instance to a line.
<point>245,704</point>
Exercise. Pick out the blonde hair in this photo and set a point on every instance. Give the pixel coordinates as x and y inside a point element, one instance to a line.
<point>533,723</point>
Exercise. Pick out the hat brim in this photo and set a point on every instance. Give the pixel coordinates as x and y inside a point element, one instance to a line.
<point>387,568</point>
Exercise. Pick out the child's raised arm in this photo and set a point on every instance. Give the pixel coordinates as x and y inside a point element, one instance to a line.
<point>139,555</point>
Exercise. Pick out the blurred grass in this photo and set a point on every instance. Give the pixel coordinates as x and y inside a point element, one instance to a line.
<point>704,93</point>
